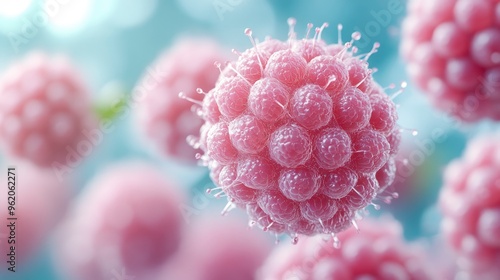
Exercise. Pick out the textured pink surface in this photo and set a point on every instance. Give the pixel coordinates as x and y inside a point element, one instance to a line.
<point>378,251</point>
<point>127,218</point>
<point>44,109</point>
<point>218,248</point>
<point>470,202</point>
<point>164,118</point>
<point>298,135</point>
<point>40,201</point>
<point>453,54</point>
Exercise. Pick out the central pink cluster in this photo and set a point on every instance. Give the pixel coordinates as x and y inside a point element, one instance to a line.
<point>299,134</point>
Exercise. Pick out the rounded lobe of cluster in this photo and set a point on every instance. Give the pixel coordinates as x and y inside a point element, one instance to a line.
<point>165,119</point>
<point>311,107</point>
<point>377,251</point>
<point>124,219</point>
<point>470,202</point>
<point>450,47</point>
<point>304,144</point>
<point>45,111</point>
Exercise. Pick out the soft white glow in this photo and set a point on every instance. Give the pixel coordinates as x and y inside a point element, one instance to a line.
<point>72,15</point>
<point>13,8</point>
<point>130,13</point>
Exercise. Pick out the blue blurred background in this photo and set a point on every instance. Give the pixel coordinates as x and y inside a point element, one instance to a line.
<point>113,42</point>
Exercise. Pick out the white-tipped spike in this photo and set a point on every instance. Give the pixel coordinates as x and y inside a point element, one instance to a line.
<point>200,91</point>
<point>402,88</point>
<point>218,65</point>
<point>374,49</point>
<point>209,191</point>
<point>413,132</point>
<point>291,32</point>
<point>230,66</point>
<point>193,141</point>
<point>229,206</point>
<point>325,25</point>
<point>249,32</point>
<point>355,225</point>
<point>184,96</point>
<point>339,33</point>
<point>309,27</point>
<point>236,52</point>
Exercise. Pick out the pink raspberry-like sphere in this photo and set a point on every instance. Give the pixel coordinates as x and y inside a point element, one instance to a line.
<point>45,109</point>
<point>470,202</point>
<point>300,134</point>
<point>453,53</point>
<point>37,201</point>
<point>377,251</point>
<point>219,248</point>
<point>165,119</point>
<point>127,219</point>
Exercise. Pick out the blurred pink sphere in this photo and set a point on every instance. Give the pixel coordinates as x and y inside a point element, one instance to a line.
<point>378,251</point>
<point>470,202</point>
<point>162,116</point>
<point>45,110</point>
<point>40,202</point>
<point>127,219</point>
<point>453,53</point>
<point>219,248</point>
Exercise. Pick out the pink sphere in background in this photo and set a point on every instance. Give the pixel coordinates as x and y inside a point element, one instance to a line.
<point>377,251</point>
<point>470,202</point>
<point>453,52</point>
<point>165,119</point>
<point>300,134</point>
<point>45,110</point>
<point>38,200</point>
<point>126,221</point>
<point>219,248</point>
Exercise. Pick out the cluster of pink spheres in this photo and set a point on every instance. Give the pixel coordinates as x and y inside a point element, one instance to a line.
<point>45,110</point>
<point>300,134</point>
<point>165,119</point>
<point>377,251</point>
<point>470,202</point>
<point>110,228</point>
<point>453,53</point>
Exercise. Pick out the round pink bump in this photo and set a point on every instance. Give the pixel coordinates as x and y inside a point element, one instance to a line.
<point>352,109</point>
<point>485,47</point>
<point>489,227</point>
<point>251,63</point>
<point>328,72</point>
<point>210,108</point>
<point>272,45</point>
<point>338,183</point>
<point>332,148</point>
<point>279,208</point>
<point>449,40</point>
<point>231,95</point>
<point>384,114</point>
<point>340,221</point>
<point>309,49</point>
<point>299,184</point>
<point>290,146</point>
<point>318,208</point>
<point>219,146</point>
<point>258,215</point>
<point>359,74</point>
<point>248,134</point>
<point>268,99</point>
<point>302,226</point>
<point>362,194</point>
<point>311,107</point>
<point>287,67</point>
<point>394,140</point>
<point>429,60</point>
<point>463,73</point>
<point>386,175</point>
<point>370,151</point>
<point>474,15</point>
<point>257,173</point>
